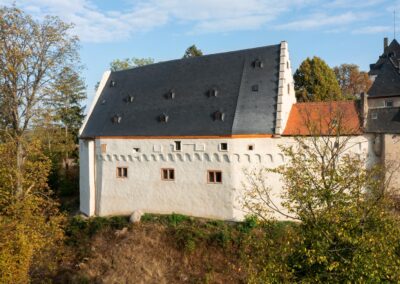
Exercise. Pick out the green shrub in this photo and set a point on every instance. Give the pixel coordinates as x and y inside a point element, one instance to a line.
<point>220,238</point>
<point>79,231</point>
<point>149,218</point>
<point>249,223</point>
<point>187,237</point>
<point>175,219</point>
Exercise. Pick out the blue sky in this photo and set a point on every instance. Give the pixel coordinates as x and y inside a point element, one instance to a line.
<point>339,31</point>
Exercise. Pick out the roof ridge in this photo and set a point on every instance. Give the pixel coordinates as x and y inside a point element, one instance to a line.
<point>325,102</point>
<point>198,57</point>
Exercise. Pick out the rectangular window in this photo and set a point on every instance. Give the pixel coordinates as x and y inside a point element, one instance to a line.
<point>223,146</point>
<point>388,103</point>
<point>122,172</point>
<point>214,176</point>
<point>167,174</point>
<point>103,148</point>
<point>374,115</point>
<point>178,146</point>
<point>250,147</point>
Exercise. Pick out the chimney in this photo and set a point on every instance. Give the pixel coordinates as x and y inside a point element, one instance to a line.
<point>364,109</point>
<point>385,44</point>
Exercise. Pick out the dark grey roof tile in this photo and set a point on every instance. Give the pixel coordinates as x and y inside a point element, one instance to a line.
<point>384,120</point>
<point>191,111</point>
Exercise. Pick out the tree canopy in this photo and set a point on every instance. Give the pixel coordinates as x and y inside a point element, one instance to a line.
<point>192,51</point>
<point>351,80</point>
<point>40,85</point>
<point>127,63</point>
<point>314,80</point>
<point>33,56</point>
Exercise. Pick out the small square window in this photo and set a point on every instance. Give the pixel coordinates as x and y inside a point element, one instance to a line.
<point>136,150</point>
<point>214,176</point>
<point>122,172</point>
<point>389,103</point>
<point>254,88</point>
<point>178,146</point>
<point>168,174</point>
<point>250,147</point>
<point>374,115</point>
<point>223,146</point>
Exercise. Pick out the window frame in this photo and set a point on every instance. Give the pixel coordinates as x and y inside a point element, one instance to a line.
<point>169,170</point>
<point>122,176</point>
<point>389,102</point>
<point>180,146</point>
<point>220,147</point>
<point>215,177</point>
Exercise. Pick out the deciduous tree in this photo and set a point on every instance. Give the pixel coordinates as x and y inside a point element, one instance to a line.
<point>33,57</point>
<point>30,224</point>
<point>351,80</point>
<point>346,230</point>
<point>314,80</point>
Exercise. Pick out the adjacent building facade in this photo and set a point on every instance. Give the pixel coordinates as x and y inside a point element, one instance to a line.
<point>383,107</point>
<point>177,136</point>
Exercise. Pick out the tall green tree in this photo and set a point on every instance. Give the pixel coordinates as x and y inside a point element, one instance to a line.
<point>351,80</point>
<point>127,63</point>
<point>192,51</point>
<point>69,91</point>
<point>314,80</point>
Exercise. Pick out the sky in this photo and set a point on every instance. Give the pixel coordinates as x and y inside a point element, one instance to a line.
<point>338,31</point>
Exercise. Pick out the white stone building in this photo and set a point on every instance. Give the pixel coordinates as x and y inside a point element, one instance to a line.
<point>176,136</point>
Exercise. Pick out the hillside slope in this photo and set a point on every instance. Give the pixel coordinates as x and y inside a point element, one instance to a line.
<point>160,249</point>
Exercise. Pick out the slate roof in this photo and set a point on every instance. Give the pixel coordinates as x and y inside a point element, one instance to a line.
<point>384,120</point>
<point>323,118</point>
<point>141,95</point>
<point>387,72</point>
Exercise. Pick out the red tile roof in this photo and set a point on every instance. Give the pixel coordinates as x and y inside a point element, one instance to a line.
<point>324,118</point>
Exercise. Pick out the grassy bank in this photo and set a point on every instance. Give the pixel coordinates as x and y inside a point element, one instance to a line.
<point>163,249</point>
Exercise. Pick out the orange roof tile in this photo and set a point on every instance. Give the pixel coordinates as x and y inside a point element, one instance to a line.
<point>324,118</point>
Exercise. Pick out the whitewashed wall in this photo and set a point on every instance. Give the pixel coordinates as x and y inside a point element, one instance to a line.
<point>286,94</point>
<point>190,193</point>
<point>87,177</point>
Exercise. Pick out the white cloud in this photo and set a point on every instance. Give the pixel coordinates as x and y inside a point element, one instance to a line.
<point>373,30</point>
<point>353,3</point>
<point>95,25</point>
<point>200,16</point>
<point>320,20</point>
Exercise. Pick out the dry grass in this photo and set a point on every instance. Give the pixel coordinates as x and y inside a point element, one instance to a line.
<point>149,253</point>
